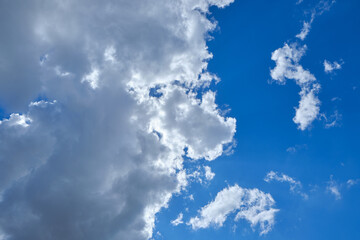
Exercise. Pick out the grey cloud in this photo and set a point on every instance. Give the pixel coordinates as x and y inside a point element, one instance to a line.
<point>85,162</point>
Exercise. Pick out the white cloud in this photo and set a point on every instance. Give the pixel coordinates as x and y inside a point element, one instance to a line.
<point>202,175</point>
<point>304,31</point>
<point>16,119</point>
<point>209,175</point>
<point>287,67</point>
<point>295,186</point>
<point>178,220</point>
<point>309,107</point>
<point>252,205</point>
<point>334,188</point>
<point>332,120</point>
<point>101,157</point>
<point>330,67</point>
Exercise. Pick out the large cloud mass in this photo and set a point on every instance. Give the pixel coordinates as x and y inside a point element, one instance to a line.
<point>104,104</point>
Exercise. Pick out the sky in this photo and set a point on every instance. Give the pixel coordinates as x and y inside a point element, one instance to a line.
<point>181,119</point>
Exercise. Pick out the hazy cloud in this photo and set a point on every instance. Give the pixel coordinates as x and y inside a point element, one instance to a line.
<point>334,188</point>
<point>295,186</point>
<point>331,66</point>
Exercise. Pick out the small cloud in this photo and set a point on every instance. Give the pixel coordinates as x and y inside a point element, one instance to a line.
<point>190,197</point>
<point>332,120</point>
<point>335,99</point>
<point>252,205</point>
<point>178,220</point>
<point>334,188</point>
<point>352,182</point>
<point>295,186</point>
<point>304,31</point>
<point>92,78</point>
<point>209,175</point>
<point>291,149</point>
<point>296,148</point>
<point>202,176</point>
<point>330,67</point>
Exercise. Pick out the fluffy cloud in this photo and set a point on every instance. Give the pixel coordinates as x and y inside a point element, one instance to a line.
<point>287,67</point>
<point>295,186</point>
<point>252,205</point>
<point>100,154</point>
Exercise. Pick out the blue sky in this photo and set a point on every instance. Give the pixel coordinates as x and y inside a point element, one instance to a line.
<point>181,119</point>
<point>249,31</point>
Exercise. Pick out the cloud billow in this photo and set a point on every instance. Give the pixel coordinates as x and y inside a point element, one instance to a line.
<point>97,156</point>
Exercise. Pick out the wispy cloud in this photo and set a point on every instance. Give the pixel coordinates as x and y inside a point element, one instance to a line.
<point>333,188</point>
<point>178,220</point>
<point>329,67</point>
<point>352,182</point>
<point>295,186</point>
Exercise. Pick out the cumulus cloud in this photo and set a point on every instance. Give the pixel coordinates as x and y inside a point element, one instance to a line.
<point>87,151</point>
<point>309,106</point>
<point>287,67</point>
<point>252,205</point>
<point>295,186</point>
<point>329,67</point>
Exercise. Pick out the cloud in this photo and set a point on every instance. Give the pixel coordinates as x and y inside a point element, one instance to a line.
<point>296,148</point>
<point>309,106</point>
<point>333,120</point>
<point>352,182</point>
<point>252,205</point>
<point>330,67</point>
<point>319,9</point>
<point>209,175</point>
<point>202,175</point>
<point>178,220</point>
<point>287,67</point>
<point>304,31</point>
<point>334,188</point>
<point>295,186</point>
<point>95,155</point>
